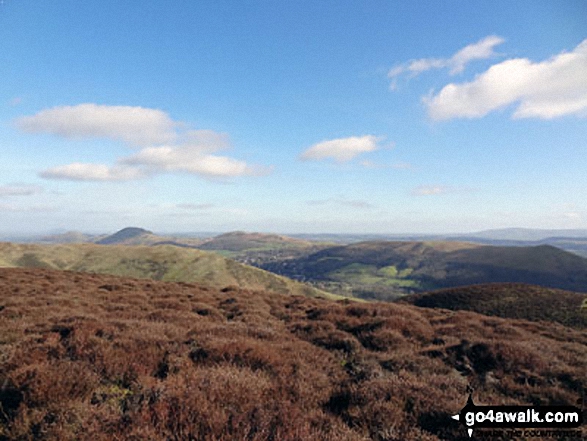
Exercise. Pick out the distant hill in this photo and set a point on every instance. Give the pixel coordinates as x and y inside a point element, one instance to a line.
<point>130,234</point>
<point>518,301</point>
<point>389,269</point>
<point>574,241</point>
<point>70,237</point>
<point>98,357</point>
<point>241,241</point>
<point>140,236</point>
<point>166,262</point>
<point>526,234</point>
<point>258,249</point>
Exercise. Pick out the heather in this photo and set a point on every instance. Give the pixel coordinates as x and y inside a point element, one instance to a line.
<point>98,357</point>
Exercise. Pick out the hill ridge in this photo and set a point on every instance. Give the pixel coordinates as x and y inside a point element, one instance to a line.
<point>164,262</point>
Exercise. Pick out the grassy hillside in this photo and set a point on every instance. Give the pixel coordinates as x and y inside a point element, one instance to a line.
<point>386,270</point>
<point>519,301</point>
<point>259,249</point>
<point>68,237</point>
<point>164,262</point>
<point>114,358</point>
<point>241,241</point>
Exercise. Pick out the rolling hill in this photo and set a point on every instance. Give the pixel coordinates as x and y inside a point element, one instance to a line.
<point>140,236</point>
<point>98,357</point>
<point>163,262</point>
<point>389,269</point>
<point>241,241</point>
<point>68,237</point>
<point>259,249</point>
<point>509,300</point>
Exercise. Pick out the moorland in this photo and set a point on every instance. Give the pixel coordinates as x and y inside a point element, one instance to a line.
<point>99,357</point>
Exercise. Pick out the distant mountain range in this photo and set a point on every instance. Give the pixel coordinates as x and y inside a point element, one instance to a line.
<point>525,234</point>
<point>264,246</point>
<point>574,241</point>
<point>387,269</point>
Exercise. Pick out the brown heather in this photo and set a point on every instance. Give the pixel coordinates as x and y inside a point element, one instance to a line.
<point>95,357</point>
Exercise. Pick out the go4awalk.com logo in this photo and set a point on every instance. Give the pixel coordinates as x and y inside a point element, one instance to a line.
<point>558,418</point>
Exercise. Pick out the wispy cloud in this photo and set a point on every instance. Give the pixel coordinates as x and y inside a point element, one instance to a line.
<point>32,209</point>
<point>166,146</point>
<point>342,149</point>
<point>19,190</point>
<point>353,203</point>
<point>196,207</point>
<point>430,190</point>
<point>483,49</point>
<point>548,89</point>
<point>92,172</point>
<point>572,215</point>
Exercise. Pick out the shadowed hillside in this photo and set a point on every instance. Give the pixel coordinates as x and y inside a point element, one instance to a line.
<point>518,301</point>
<point>96,357</point>
<point>164,262</point>
<point>125,235</point>
<point>385,270</point>
<point>140,236</point>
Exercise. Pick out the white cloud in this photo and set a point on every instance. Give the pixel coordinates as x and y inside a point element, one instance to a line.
<point>341,150</point>
<point>133,125</point>
<point>546,90</point>
<point>190,159</point>
<point>481,50</point>
<point>92,172</point>
<point>205,141</point>
<point>353,203</point>
<point>167,146</point>
<point>19,190</point>
<point>429,190</point>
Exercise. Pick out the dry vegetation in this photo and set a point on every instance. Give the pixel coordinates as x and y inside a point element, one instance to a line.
<point>97,357</point>
<point>510,300</point>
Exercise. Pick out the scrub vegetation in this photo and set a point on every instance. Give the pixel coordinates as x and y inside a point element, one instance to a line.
<point>98,357</point>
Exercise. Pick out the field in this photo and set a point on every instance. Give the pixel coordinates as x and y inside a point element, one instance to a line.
<point>98,357</point>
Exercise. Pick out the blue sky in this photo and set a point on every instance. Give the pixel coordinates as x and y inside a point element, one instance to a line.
<point>305,116</point>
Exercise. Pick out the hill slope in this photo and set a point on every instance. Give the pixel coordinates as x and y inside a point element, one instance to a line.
<point>259,248</point>
<point>125,235</point>
<point>140,236</point>
<point>164,262</point>
<point>115,358</point>
<point>241,241</point>
<point>518,301</point>
<point>387,269</point>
